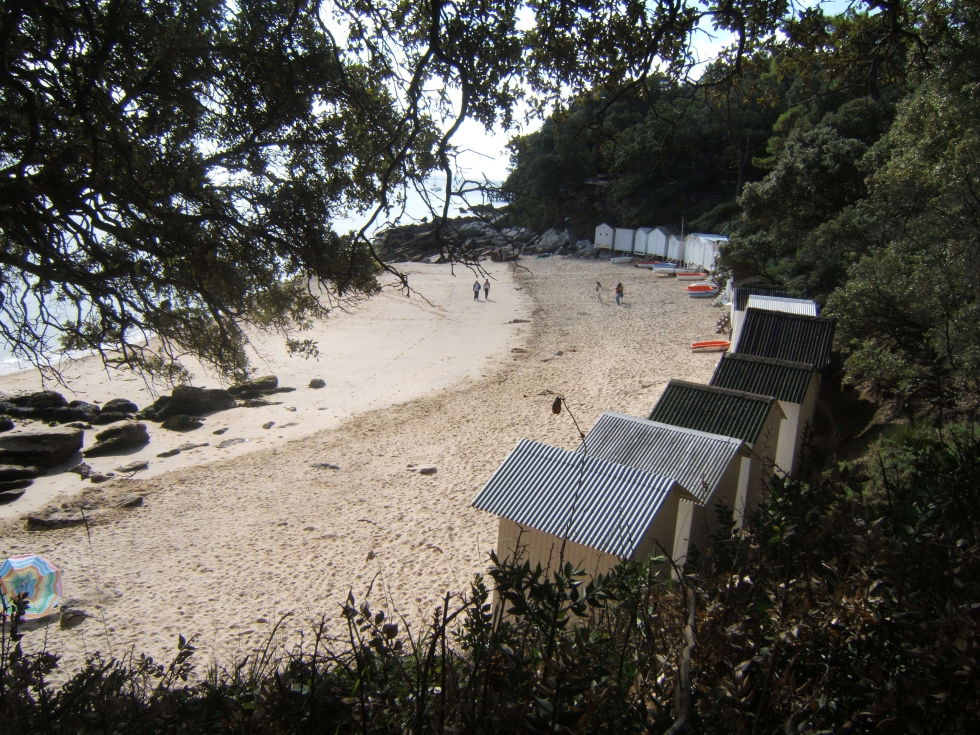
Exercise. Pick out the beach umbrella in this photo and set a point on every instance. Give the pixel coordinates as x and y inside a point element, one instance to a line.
<point>35,575</point>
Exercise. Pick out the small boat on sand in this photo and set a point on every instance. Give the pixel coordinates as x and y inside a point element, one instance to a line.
<point>621,259</point>
<point>711,345</point>
<point>702,290</point>
<point>691,276</point>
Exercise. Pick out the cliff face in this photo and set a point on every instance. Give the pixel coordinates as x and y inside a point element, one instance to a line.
<point>465,238</point>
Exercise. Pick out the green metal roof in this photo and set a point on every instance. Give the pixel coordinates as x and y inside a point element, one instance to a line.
<point>714,410</point>
<point>787,381</point>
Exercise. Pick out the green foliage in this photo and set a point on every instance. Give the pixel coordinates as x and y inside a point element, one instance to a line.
<point>909,315</point>
<point>850,603</point>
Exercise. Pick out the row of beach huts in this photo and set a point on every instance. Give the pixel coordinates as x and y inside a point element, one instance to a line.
<point>696,249</point>
<point>642,486</point>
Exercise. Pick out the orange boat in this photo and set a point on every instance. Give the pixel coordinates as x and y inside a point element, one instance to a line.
<point>701,290</point>
<point>711,345</point>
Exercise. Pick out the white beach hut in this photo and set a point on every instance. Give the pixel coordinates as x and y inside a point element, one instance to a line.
<point>604,237</point>
<point>701,250</point>
<point>556,506</point>
<point>623,240</point>
<point>641,240</point>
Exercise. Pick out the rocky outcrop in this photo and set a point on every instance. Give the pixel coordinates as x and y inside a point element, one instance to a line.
<point>40,446</point>
<point>190,401</point>
<point>469,237</point>
<point>118,438</point>
<point>256,387</point>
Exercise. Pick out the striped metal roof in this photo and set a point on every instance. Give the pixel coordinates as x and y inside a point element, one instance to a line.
<point>781,336</point>
<point>742,294</point>
<point>714,410</point>
<point>696,459</point>
<point>783,303</point>
<point>591,501</point>
<point>787,381</point>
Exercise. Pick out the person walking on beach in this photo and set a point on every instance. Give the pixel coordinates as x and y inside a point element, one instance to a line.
<point>476,290</point>
<point>598,292</point>
<point>486,289</point>
<point>619,294</point>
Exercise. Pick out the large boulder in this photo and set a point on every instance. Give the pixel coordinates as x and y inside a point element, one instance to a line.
<point>40,446</point>
<point>190,401</point>
<point>256,387</point>
<point>120,405</point>
<point>118,438</point>
<point>39,399</point>
<point>18,472</point>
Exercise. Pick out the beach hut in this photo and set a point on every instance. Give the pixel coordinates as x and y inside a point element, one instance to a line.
<point>785,304</point>
<point>740,291</point>
<point>701,249</point>
<point>706,465</point>
<point>604,237</point>
<point>657,241</point>
<point>640,240</point>
<point>794,385</point>
<point>557,506</point>
<point>675,249</point>
<point>623,240</point>
<point>779,335</point>
<point>753,419</point>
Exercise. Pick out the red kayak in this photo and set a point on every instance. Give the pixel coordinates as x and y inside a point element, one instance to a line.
<point>711,345</point>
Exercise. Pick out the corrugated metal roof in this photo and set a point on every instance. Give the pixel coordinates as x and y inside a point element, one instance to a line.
<point>591,501</point>
<point>782,336</point>
<point>787,381</point>
<point>782,303</point>
<point>742,294</point>
<point>696,459</point>
<point>714,410</point>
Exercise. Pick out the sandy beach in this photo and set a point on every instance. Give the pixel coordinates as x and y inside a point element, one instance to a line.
<point>229,540</point>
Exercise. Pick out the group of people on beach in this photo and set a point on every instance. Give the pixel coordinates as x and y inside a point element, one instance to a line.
<point>485,287</point>
<point>619,293</point>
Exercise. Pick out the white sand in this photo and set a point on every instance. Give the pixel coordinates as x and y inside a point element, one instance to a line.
<point>229,540</point>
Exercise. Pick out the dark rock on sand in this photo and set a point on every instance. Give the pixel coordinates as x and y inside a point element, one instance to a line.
<point>255,387</point>
<point>9,496</point>
<point>318,383</point>
<point>18,472</point>
<point>120,405</point>
<point>39,399</point>
<point>230,442</point>
<point>6,424</point>
<point>133,467</point>
<point>40,446</point>
<point>189,400</point>
<point>56,519</point>
<point>6,485</point>
<point>181,422</point>
<point>110,417</point>
<point>118,438</point>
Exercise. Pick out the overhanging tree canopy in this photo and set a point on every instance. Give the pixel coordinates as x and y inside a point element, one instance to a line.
<point>173,168</point>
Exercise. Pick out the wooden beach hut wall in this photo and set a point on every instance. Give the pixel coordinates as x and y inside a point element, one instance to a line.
<point>658,240</point>
<point>779,335</point>
<point>754,419</point>
<point>776,303</point>
<point>604,237</point>
<point>557,506</point>
<point>706,465</point>
<point>795,386</point>
<point>675,249</point>
<point>701,249</point>
<point>623,240</point>
<point>640,240</point>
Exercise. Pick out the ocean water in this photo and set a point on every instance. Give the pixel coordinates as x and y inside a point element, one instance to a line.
<point>418,207</point>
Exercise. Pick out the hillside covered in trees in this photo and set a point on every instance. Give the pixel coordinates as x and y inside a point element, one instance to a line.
<point>840,154</point>
<point>842,161</point>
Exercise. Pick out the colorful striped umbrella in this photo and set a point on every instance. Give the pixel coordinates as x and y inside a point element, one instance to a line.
<point>35,575</point>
